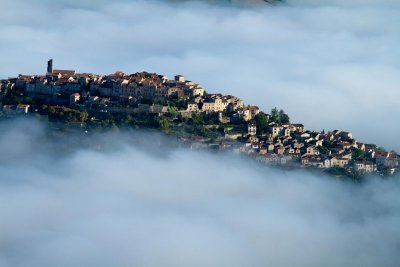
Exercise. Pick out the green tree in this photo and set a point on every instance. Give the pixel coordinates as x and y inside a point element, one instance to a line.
<point>262,121</point>
<point>358,153</point>
<point>274,115</point>
<point>27,100</point>
<point>163,124</point>
<point>283,117</point>
<point>83,116</point>
<point>172,112</point>
<point>212,118</point>
<point>197,119</point>
<point>127,119</point>
<point>328,144</point>
<point>323,149</point>
<point>279,116</point>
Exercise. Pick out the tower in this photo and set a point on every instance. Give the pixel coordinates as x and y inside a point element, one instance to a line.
<point>50,66</point>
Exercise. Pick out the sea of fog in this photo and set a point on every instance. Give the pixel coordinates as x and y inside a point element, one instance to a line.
<point>131,198</point>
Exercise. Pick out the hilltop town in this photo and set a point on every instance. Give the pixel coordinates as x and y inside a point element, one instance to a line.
<point>200,119</point>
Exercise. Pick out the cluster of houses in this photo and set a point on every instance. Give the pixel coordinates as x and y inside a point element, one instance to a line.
<point>119,92</point>
<point>291,144</point>
<point>281,144</point>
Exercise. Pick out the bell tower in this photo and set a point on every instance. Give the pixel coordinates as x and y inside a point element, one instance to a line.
<point>50,66</point>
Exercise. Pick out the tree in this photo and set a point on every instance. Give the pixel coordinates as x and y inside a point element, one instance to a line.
<point>358,153</point>
<point>197,119</point>
<point>163,124</point>
<point>279,116</point>
<point>202,131</point>
<point>323,150</point>
<point>172,112</point>
<point>83,116</point>
<point>328,144</point>
<point>274,115</point>
<point>212,118</point>
<point>127,119</point>
<point>283,117</point>
<point>261,120</point>
<point>27,100</point>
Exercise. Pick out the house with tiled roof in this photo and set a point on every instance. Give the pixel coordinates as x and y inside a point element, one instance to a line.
<point>22,108</point>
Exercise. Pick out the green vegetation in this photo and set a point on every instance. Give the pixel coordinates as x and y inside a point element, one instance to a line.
<point>323,150</point>
<point>261,120</point>
<point>63,114</point>
<point>196,119</point>
<point>336,171</point>
<point>283,117</point>
<point>279,116</point>
<point>327,144</point>
<point>163,124</point>
<point>357,154</point>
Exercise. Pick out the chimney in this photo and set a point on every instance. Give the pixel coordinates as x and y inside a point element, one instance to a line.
<point>50,66</point>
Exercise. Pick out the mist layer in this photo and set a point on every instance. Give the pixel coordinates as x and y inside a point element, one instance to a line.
<point>122,199</point>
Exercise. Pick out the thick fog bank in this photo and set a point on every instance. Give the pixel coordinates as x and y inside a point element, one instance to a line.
<point>114,203</point>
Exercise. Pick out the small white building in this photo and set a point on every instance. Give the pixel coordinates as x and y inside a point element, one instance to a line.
<point>252,128</point>
<point>180,78</point>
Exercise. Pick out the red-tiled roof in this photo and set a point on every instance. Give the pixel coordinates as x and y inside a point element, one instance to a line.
<point>23,106</point>
<point>63,72</point>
